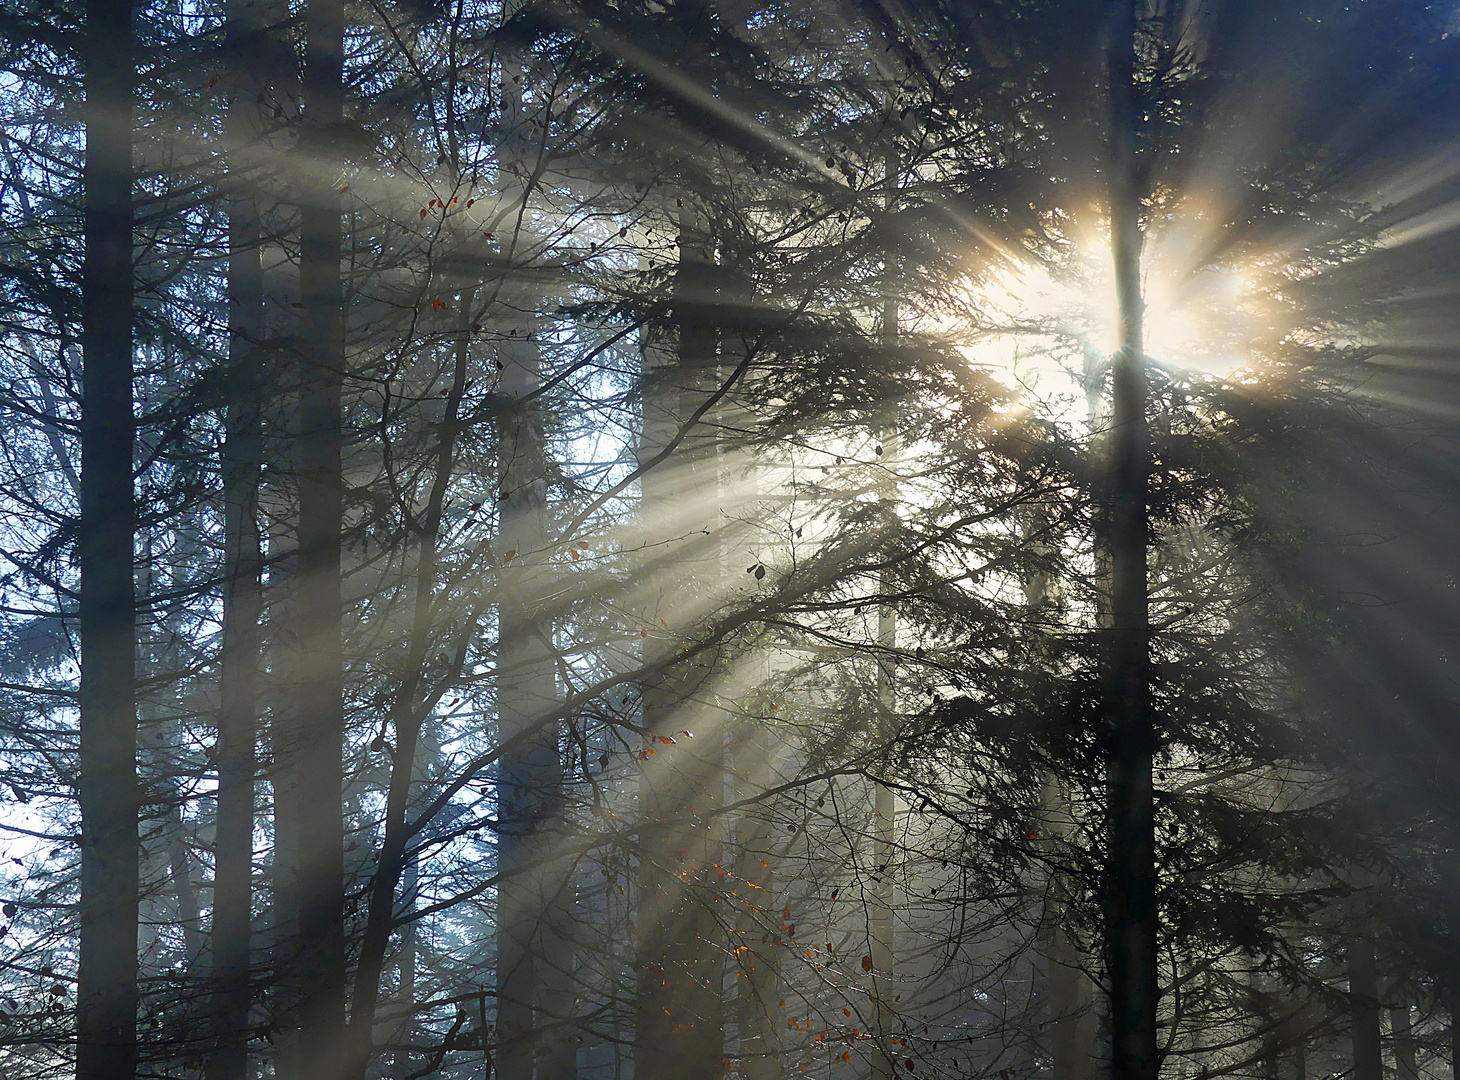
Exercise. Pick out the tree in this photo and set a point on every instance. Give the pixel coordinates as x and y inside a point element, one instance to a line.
<point>240,650</point>
<point>318,740</point>
<point>106,1038</point>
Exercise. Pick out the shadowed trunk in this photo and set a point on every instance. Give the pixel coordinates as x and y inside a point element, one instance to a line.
<point>1131,918</point>
<point>106,1026</point>
<point>319,960</point>
<point>1405,1059</point>
<point>407,713</point>
<point>757,982</point>
<point>242,610</point>
<point>1363,994</point>
<point>679,1006</point>
<point>530,769</point>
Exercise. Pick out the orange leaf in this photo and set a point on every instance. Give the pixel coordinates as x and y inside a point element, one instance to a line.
<point>423,215</point>
<point>437,305</point>
<point>866,963</point>
<point>508,555</point>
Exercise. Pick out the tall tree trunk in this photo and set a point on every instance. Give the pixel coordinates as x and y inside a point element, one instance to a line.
<point>242,610</point>
<point>1068,991</point>
<point>319,747</point>
<point>1402,1027</point>
<point>106,999</point>
<point>530,771</point>
<point>283,777</point>
<point>406,716</point>
<point>1131,917</point>
<point>1363,995</point>
<point>679,1005</point>
<point>757,984</point>
<point>884,802</point>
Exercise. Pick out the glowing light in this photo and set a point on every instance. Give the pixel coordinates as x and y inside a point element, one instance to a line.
<point>1044,330</point>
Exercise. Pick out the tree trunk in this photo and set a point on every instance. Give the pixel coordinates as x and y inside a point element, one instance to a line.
<point>679,1005</point>
<point>1363,993</point>
<point>406,716</point>
<point>318,751</point>
<point>757,982</point>
<point>1131,917</point>
<point>1068,991</point>
<point>282,654</point>
<point>106,999</point>
<point>530,770</point>
<point>242,610</point>
<point>884,802</point>
<point>1402,1028</point>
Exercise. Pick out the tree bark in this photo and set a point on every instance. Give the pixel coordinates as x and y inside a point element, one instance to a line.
<point>242,610</point>
<point>319,960</point>
<point>530,769</point>
<point>1131,917</point>
<point>1402,1028</point>
<point>884,802</point>
<point>1068,990</point>
<point>757,983</point>
<point>1363,994</point>
<point>679,1005</point>
<point>406,716</point>
<point>106,1027</point>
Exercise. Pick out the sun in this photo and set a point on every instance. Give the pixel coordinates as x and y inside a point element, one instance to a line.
<point>1044,330</point>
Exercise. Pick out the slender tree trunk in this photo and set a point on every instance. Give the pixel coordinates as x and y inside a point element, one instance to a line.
<point>1402,1028</point>
<point>1363,993</point>
<point>679,1005</point>
<point>558,1047</point>
<point>757,985</point>
<point>106,1027</point>
<point>884,802</point>
<point>242,610</point>
<point>283,776</point>
<point>757,965</point>
<point>1131,917</point>
<point>530,769</point>
<point>1068,991</point>
<point>319,749</point>
<point>406,716</point>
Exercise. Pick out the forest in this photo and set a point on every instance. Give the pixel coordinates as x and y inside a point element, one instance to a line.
<point>681,539</point>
